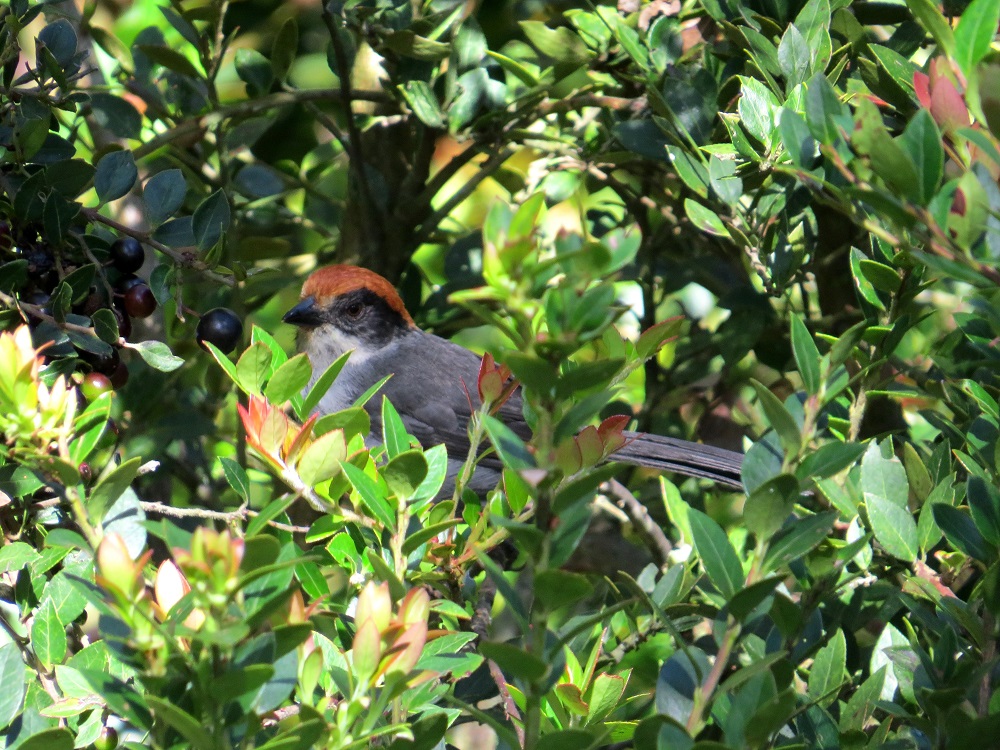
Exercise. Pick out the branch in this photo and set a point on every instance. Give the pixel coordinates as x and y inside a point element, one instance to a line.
<point>241,514</point>
<point>186,260</point>
<point>489,166</point>
<point>645,526</point>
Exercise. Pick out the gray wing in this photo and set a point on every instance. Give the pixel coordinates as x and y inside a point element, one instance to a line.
<point>436,409</point>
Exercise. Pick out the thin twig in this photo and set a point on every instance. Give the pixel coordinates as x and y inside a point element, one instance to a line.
<point>241,514</point>
<point>488,168</point>
<point>645,526</point>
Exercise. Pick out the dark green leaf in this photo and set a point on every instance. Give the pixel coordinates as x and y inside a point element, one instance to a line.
<point>780,418</point>
<point>116,115</point>
<point>806,355</point>
<point>115,176</point>
<point>799,538</point>
<point>768,506</point>
<point>255,71</point>
<point>106,325</point>
<point>164,194</point>
<point>13,678</point>
<point>961,532</point>
<point>211,218</point>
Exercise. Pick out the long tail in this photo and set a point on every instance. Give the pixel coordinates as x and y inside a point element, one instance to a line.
<point>683,457</point>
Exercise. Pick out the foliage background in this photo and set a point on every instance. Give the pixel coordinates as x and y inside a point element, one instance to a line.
<point>811,186</point>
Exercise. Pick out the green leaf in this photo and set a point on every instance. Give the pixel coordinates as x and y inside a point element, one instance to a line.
<point>421,100</point>
<point>716,554</point>
<point>416,539</point>
<point>105,325</point>
<point>559,588</point>
<point>984,502</point>
<point>976,31</point>
<point>861,281</point>
<point>285,47</point>
<point>829,670</point>
<point>511,449</point>
<point>961,532</point>
<point>15,555</point>
<point>757,109</point>
<point>322,384</point>
<point>253,368</point>
<point>825,114</point>
<point>170,59</point>
<point>796,138</point>
<point>404,473</point>
<point>828,460</point>
<point>798,539</point>
<point>922,141</point>
<point>927,13</point>
<point>115,114</point>
<point>163,194</point>
<point>780,418</point>
<point>289,379</point>
<point>255,71</point>
<point>49,739</point>
<point>807,356</point>
<point>115,176</point>
<point>370,494</point>
<point>894,527</point>
<point>185,724</point>
<point>157,355</point>
<point>394,435</point>
<point>322,459</point>
<point>562,44</point>
<point>14,681</point>
<point>768,506</point>
<point>48,635</point>
<point>237,477</point>
<point>884,478</point>
<point>210,220</point>
<point>882,277</point>
<point>704,218</point>
<point>111,486</point>
<point>794,57</point>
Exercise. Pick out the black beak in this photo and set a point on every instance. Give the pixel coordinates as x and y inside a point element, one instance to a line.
<point>306,313</point>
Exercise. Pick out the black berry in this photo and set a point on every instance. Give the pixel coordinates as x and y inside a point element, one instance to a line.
<point>127,254</point>
<point>86,473</point>
<point>127,281</point>
<point>139,301</point>
<point>106,364</point>
<point>120,375</point>
<point>220,327</point>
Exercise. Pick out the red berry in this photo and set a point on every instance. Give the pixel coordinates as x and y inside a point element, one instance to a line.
<point>127,254</point>
<point>95,385</point>
<point>86,473</point>
<point>220,327</point>
<point>139,301</point>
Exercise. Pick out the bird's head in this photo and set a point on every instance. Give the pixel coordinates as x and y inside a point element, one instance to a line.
<point>346,307</point>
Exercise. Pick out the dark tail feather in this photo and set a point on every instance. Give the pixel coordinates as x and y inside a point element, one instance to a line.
<point>682,457</point>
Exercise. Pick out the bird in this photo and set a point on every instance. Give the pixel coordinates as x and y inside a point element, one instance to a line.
<point>433,380</point>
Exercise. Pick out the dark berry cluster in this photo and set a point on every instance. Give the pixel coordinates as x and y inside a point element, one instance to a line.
<point>37,268</point>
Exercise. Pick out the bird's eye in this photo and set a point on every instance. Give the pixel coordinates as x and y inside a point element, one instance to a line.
<point>354,310</point>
